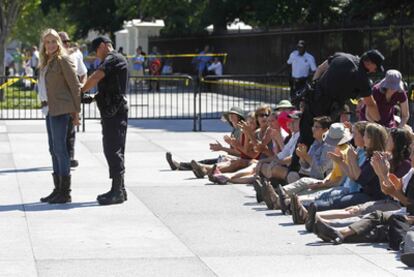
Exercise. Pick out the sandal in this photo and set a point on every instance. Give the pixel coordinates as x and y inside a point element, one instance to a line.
<point>219,179</point>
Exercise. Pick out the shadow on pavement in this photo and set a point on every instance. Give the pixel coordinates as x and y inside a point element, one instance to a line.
<point>39,207</point>
<point>23,170</point>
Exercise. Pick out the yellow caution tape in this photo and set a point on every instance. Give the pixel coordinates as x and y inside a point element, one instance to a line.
<point>9,82</point>
<point>186,81</point>
<point>224,55</point>
<point>243,84</point>
<point>13,80</point>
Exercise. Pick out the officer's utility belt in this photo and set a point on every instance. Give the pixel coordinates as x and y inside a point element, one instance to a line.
<point>299,79</point>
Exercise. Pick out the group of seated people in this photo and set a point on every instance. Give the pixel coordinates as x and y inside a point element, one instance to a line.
<point>355,182</point>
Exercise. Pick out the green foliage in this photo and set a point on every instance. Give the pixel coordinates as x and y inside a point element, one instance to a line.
<point>192,16</point>
<point>18,98</point>
<point>33,21</point>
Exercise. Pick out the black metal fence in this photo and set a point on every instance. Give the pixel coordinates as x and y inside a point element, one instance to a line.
<point>268,51</point>
<point>219,94</point>
<point>160,97</point>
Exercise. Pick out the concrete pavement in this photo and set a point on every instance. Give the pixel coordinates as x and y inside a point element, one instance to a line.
<point>171,225</point>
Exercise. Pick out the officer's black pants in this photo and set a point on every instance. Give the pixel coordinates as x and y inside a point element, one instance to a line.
<point>114,137</point>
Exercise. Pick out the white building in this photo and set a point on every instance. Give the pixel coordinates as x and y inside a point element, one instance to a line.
<point>136,33</point>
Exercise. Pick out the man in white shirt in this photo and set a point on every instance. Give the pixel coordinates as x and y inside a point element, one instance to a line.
<point>82,73</point>
<point>216,67</point>
<point>303,65</point>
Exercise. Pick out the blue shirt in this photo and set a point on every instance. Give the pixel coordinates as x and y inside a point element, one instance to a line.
<point>320,165</point>
<point>202,61</point>
<point>349,185</point>
<point>138,66</point>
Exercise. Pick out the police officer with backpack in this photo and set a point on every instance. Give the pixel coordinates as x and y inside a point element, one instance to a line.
<point>341,77</point>
<point>111,77</point>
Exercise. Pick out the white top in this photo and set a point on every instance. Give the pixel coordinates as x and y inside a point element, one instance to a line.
<point>41,86</point>
<point>217,68</point>
<point>301,65</point>
<point>77,57</point>
<point>287,151</point>
<point>405,179</point>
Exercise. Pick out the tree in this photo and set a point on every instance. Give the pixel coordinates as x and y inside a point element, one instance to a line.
<point>105,16</point>
<point>9,13</point>
<point>33,21</point>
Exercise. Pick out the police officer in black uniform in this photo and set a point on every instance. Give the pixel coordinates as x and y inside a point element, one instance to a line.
<point>343,76</point>
<point>111,78</point>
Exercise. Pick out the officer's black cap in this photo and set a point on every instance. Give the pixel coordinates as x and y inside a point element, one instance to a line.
<point>376,57</point>
<point>301,43</point>
<point>97,41</point>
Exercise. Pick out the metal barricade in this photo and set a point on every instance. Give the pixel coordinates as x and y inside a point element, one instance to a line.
<point>18,98</point>
<point>218,94</point>
<point>156,97</point>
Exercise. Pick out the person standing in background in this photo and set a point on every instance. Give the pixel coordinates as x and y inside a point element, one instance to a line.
<point>34,61</point>
<point>303,65</point>
<point>77,57</point>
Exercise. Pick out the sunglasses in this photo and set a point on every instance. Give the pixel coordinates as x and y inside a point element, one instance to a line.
<point>264,115</point>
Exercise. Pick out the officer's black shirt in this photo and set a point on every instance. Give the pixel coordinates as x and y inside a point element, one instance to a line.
<point>112,88</point>
<point>345,78</point>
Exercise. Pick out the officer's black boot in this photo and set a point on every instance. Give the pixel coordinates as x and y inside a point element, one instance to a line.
<point>123,189</point>
<point>115,195</point>
<point>56,182</point>
<point>63,195</point>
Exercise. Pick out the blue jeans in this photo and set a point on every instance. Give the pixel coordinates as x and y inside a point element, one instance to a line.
<point>342,201</point>
<point>57,127</point>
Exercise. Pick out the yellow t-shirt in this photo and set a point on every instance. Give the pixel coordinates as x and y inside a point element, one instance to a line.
<point>336,172</point>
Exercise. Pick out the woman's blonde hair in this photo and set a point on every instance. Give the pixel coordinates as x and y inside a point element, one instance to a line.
<point>378,137</point>
<point>44,58</point>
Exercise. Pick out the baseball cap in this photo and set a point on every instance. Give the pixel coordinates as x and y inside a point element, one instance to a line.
<point>376,57</point>
<point>97,41</point>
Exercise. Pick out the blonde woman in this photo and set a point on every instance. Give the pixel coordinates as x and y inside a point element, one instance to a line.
<point>59,91</point>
